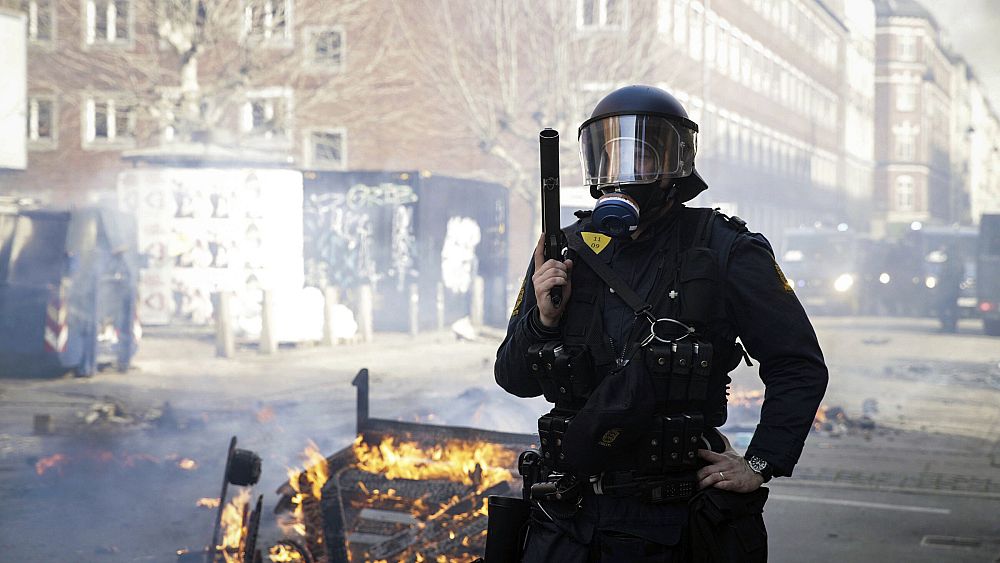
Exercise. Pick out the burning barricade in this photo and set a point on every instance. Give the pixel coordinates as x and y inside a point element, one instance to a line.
<point>395,499</point>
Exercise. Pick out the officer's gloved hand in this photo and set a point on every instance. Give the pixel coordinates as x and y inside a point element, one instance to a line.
<point>727,471</point>
<point>549,274</point>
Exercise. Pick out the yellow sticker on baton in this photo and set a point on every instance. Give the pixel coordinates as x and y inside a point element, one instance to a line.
<point>596,241</point>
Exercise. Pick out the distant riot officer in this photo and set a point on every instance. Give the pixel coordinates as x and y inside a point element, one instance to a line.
<point>949,287</point>
<point>636,358</point>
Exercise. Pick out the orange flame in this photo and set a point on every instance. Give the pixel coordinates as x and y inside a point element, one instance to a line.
<point>234,527</point>
<point>471,463</point>
<point>820,417</point>
<point>44,464</point>
<point>317,473</point>
<point>280,553</point>
<point>208,502</point>
<point>265,415</point>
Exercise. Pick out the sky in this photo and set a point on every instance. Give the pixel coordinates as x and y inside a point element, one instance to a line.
<point>973,28</point>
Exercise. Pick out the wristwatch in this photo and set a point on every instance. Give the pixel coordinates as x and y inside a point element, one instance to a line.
<point>760,467</point>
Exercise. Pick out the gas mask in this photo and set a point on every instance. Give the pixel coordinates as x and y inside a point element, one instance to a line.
<point>617,213</point>
<point>631,163</point>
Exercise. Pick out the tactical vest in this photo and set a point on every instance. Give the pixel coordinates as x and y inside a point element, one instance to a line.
<point>689,375</point>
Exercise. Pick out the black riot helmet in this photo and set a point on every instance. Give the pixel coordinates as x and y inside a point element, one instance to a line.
<point>640,136</point>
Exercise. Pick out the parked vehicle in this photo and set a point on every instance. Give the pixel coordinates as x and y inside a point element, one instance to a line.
<point>988,268</point>
<point>823,266</point>
<point>67,291</point>
<point>947,269</point>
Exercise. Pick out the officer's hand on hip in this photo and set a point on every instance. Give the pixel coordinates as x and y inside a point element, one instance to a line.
<point>549,274</point>
<point>727,471</point>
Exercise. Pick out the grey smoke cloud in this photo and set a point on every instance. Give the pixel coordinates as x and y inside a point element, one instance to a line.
<point>971,27</point>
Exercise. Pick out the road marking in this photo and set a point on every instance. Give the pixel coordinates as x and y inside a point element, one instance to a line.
<point>862,504</point>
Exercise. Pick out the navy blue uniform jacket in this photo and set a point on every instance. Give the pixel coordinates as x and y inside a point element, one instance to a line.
<point>761,309</point>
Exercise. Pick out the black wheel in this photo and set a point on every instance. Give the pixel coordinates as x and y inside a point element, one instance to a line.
<point>991,327</point>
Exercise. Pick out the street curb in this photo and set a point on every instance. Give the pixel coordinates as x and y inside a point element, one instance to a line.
<point>888,489</point>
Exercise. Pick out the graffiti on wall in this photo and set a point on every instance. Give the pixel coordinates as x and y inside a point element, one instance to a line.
<point>458,254</point>
<point>363,235</point>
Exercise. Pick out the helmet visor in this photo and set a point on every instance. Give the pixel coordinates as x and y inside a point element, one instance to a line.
<point>625,149</point>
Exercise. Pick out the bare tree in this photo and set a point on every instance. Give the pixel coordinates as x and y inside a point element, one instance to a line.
<point>504,69</point>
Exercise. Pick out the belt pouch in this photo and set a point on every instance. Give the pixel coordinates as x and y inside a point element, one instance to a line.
<point>680,376</point>
<point>659,363</point>
<point>673,440</point>
<point>701,359</point>
<point>652,449</point>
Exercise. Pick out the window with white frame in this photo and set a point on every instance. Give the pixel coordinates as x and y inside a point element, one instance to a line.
<point>735,59</point>
<point>680,22</point>
<point>267,114</point>
<point>905,135</point>
<point>665,15</point>
<point>108,21</point>
<point>696,21</point>
<point>734,140</point>
<point>906,97</point>
<point>108,120</point>
<point>327,149</point>
<point>41,19</point>
<point>41,121</point>
<point>268,20</point>
<point>602,14</point>
<point>325,47</point>
<point>906,47</point>
<point>722,52</point>
<point>905,193</point>
<point>710,40</point>
<point>722,135</point>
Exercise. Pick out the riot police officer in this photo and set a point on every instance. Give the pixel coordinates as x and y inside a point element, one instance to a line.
<point>636,357</point>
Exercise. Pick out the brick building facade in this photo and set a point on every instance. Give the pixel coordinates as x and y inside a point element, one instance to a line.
<point>784,91</point>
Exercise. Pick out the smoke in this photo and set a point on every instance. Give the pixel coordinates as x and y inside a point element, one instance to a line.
<point>970,26</point>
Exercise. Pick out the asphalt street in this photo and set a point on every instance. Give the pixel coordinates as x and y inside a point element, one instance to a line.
<point>923,484</point>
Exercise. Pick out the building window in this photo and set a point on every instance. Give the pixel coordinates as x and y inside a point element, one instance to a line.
<point>325,47</point>
<point>680,23</point>
<point>605,14</point>
<point>41,19</point>
<point>267,115</point>
<point>665,13</point>
<point>905,135</point>
<point>267,19</point>
<point>906,97</point>
<point>41,121</point>
<point>722,53</point>
<point>710,41</point>
<point>722,136</point>
<point>905,193</point>
<point>906,47</point>
<point>327,149</point>
<point>108,21</point>
<point>108,121</point>
<point>735,52</point>
<point>696,21</point>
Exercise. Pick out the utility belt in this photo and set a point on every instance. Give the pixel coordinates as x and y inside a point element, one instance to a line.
<point>670,445</point>
<point>663,469</point>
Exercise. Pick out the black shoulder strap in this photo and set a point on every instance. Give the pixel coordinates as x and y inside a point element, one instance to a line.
<point>737,227</point>
<point>609,276</point>
<point>703,232</point>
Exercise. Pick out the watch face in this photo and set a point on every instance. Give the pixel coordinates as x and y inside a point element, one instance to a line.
<point>757,464</point>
